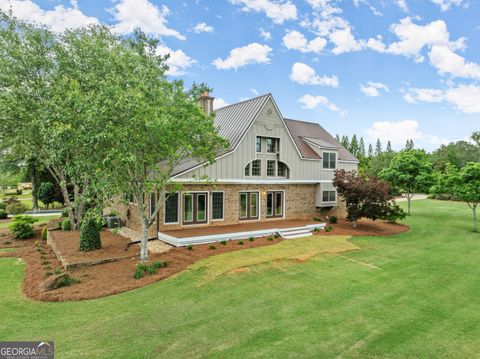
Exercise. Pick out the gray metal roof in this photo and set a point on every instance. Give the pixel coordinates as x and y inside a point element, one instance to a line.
<point>315,133</point>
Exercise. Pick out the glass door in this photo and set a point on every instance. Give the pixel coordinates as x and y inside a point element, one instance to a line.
<point>248,205</point>
<point>195,208</point>
<point>275,204</point>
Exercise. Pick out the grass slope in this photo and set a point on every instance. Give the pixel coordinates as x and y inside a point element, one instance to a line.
<point>423,300</point>
<point>41,220</point>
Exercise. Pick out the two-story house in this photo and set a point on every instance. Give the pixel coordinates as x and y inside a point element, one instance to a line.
<point>274,169</point>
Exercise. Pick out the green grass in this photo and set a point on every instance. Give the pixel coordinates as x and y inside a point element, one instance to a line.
<point>414,295</point>
<point>41,220</point>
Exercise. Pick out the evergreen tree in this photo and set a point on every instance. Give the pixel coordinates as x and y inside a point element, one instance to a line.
<point>361,148</point>
<point>389,146</point>
<point>378,148</point>
<point>354,145</point>
<point>337,137</point>
<point>345,142</point>
<point>370,150</point>
<point>409,145</point>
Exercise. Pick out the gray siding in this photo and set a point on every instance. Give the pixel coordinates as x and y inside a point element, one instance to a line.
<point>268,123</point>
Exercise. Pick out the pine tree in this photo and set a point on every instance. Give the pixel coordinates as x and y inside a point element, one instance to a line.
<point>361,148</point>
<point>409,145</point>
<point>354,146</point>
<point>378,148</point>
<point>370,150</point>
<point>345,142</point>
<point>389,146</point>
<point>337,137</point>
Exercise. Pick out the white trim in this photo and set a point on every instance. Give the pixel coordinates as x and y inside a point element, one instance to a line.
<point>223,206</point>
<point>254,180</point>
<point>321,147</point>
<point>336,163</point>
<point>165,211</point>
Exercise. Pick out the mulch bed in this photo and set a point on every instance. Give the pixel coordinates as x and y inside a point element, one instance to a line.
<point>117,277</point>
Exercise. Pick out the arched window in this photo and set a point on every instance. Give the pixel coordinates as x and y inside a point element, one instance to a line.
<point>283,170</point>
<point>254,168</point>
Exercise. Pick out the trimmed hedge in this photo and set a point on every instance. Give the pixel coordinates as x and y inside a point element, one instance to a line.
<point>89,235</point>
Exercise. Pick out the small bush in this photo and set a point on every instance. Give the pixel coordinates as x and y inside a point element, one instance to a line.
<point>160,264</point>
<point>59,225</point>
<point>16,208</point>
<point>190,247</point>
<point>138,273</point>
<point>57,270</point>
<point>328,229</point>
<point>44,233</point>
<point>394,213</point>
<point>66,226</point>
<point>151,270</point>
<point>22,226</point>
<point>270,239</point>
<point>142,269</point>
<point>3,205</point>
<point>333,219</point>
<point>240,243</point>
<point>315,229</point>
<point>251,238</point>
<point>67,281</point>
<point>89,234</point>
<point>223,242</point>
<point>317,219</point>
<point>65,213</point>
<point>276,235</point>
<point>211,246</point>
<point>3,214</point>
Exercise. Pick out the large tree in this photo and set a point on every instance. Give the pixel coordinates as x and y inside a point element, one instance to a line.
<point>457,153</point>
<point>410,172</point>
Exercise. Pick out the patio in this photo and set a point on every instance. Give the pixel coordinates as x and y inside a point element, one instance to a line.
<point>286,228</point>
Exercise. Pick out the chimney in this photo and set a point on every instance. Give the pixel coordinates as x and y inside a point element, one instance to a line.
<point>206,103</point>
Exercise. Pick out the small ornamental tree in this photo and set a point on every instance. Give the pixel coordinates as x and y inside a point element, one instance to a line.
<point>409,172</point>
<point>366,197</point>
<point>90,233</point>
<point>46,193</point>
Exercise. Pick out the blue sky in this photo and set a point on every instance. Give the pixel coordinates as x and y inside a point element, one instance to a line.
<point>394,69</point>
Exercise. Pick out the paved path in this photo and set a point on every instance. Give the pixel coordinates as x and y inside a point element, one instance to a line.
<point>414,198</point>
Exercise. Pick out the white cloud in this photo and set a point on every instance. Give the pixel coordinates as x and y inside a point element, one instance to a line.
<point>266,35</point>
<point>305,75</point>
<point>297,41</point>
<point>203,27</point>
<point>219,102</point>
<point>130,14</point>
<point>372,89</point>
<point>310,102</point>
<point>446,4</point>
<point>399,132</point>
<point>178,61</point>
<point>325,18</point>
<point>253,53</point>
<point>254,91</point>
<point>465,98</point>
<point>344,41</point>
<point>277,11</point>
<point>402,4</point>
<point>413,38</point>
<point>448,62</point>
<point>60,18</point>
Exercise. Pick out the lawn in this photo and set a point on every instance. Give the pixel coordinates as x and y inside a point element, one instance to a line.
<point>41,220</point>
<point>416,294</point>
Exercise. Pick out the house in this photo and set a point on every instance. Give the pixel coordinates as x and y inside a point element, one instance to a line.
<point>274,169</point>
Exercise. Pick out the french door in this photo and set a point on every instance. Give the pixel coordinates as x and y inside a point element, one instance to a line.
<point>195,208</point>
<point>248,205</point>
<point>275,201</point>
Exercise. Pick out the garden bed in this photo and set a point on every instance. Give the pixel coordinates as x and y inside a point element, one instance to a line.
<point>365,227</point>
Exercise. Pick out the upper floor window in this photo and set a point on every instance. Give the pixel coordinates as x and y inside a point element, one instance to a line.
<point>329,160</point>
<point>258,144</point>
<point>247,170</point>
<point>257,168</point>
<point>271,168</point>
<point>272,145</point>
<point>282,169</point>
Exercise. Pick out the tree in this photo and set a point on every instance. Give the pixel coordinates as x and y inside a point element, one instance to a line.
<point>361,148</point>
<point>345,142</point>
<point>410,172</point>
<point>409,145</point>
<point>366,197</point>
<point>476,138</point>
<point>370,150</point>
<point>457,153</point>
<point>354,147</point>
<point>389,146</point>
<point>89,233</point>
<point>46,193</point>
<point>378,147</point>
<point>337,137</point>
<point>467,187</point>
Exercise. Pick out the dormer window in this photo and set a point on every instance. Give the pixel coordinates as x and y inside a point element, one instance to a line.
<point>329,160</point>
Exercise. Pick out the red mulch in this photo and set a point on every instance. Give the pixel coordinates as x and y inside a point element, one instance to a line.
<point>116,277</point>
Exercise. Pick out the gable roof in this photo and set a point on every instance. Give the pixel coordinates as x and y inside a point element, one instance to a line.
<point>304,132</point>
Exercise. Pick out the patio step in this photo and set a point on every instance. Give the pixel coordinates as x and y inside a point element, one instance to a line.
<point>296,233</point>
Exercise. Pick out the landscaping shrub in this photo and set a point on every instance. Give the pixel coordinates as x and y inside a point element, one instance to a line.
<point>160,264</point>
<point>240,243</point>
<point>44,233</point>
<point>223,242</point>
<point>276,235</point>
<point>328,229</point>
<point>89,234</point>
<point>270,239</point>
<point>22,226</point>
<point>394,213</point>
<point>211,246</point>
<point>138,273</point>
<point>3,214</point>
<point>66,226</point>
<point>315,229</point>
<point>66,281</point>
<point>333,219</point>
<point>59,225</point>
<point>142,269</point>
<point>151,270</point>
<point>15,208</point>
<point>251,238</point>
<point>317,219</point>
<point>65,213</point>
<point>189,247</point>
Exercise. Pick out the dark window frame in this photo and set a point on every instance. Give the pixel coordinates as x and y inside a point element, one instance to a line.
<point>258,144</point>
<point>169,196</point>
<point>327,161</point>
<point>214,194</point>
<point>328,196</point>
<point>248,205</point>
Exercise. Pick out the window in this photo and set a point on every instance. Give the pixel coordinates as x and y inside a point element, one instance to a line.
<point>257,168</point>
<point>247,170</point>
<point>272,145</point>
<point>195,208</point>
<point>258,145</point>
<point>188,208</point>
<point>329,160</point>
<point>171,208</point>
<point>329,196</point>
<point>271,168</point>
<point>217,205</point>
<point>248,205</point>
<point>275,204</point>
<point>282,169</point>
<point>152,204</point>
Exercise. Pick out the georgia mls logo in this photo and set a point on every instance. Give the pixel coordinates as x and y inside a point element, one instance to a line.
<point>26,350</point>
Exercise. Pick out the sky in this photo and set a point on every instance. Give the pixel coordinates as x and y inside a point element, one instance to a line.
<point>388,69</point>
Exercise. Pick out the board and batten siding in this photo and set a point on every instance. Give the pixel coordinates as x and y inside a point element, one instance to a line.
<point>267,124</point>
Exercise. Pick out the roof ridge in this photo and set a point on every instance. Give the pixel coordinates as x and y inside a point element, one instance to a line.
<point>242,102</point>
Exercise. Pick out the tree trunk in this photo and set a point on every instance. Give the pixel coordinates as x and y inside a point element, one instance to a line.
<point>409,198</point>
<point>34,187</point>
<point>144,242</point>
<point>474,210</point>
